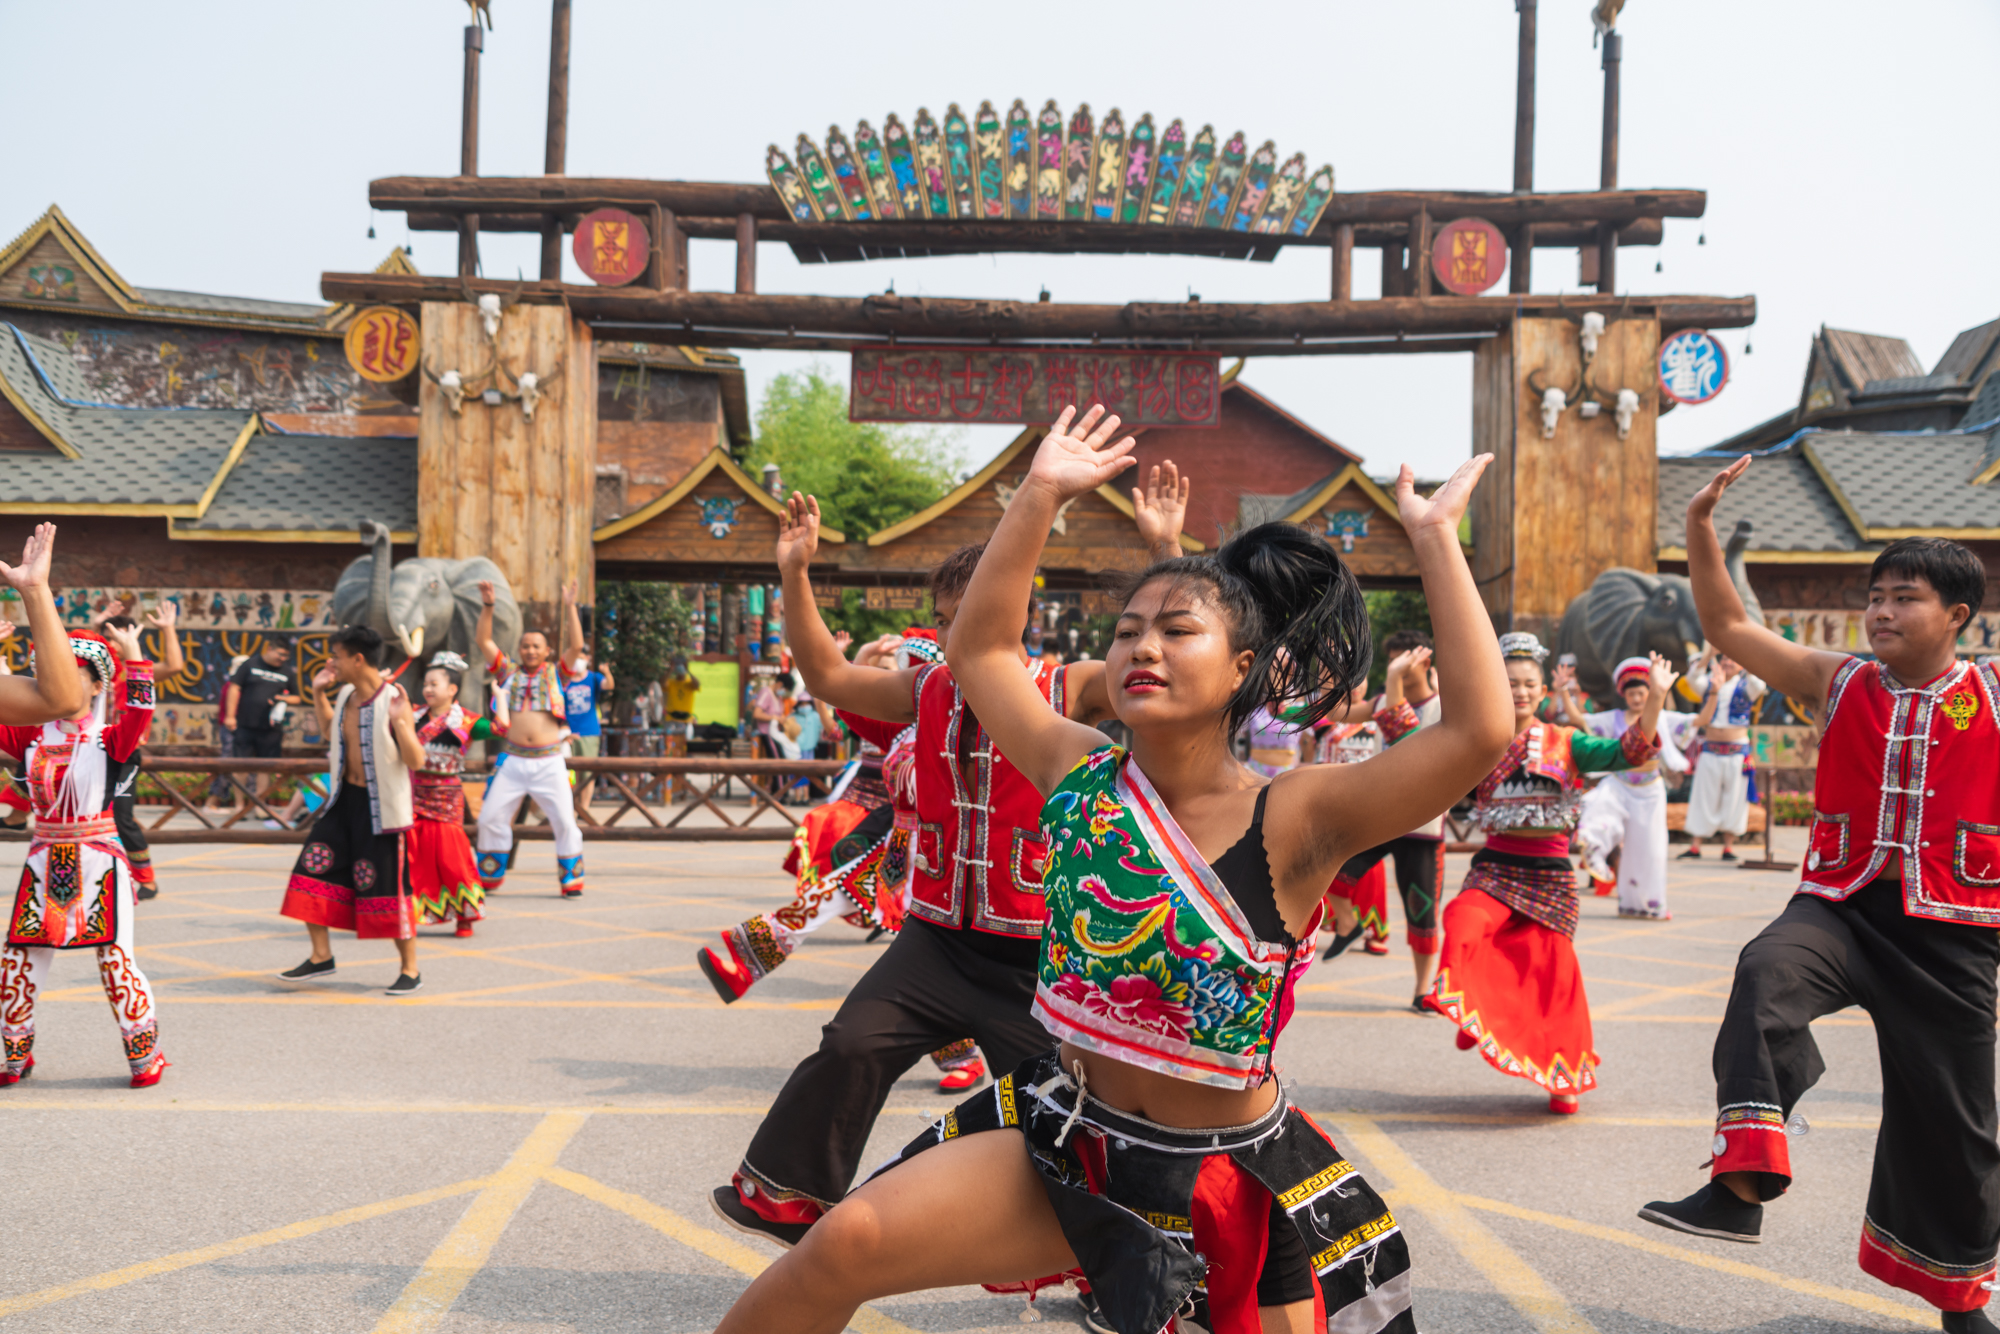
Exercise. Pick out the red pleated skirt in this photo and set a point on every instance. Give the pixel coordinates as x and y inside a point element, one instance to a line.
<point>1369,897</point>
<point>1515,991</point>
<point>444,876</point>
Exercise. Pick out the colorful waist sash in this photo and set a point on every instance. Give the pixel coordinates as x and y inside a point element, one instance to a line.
<point>1541,888</point>
<point>533,752</point>
<point>92,830</point>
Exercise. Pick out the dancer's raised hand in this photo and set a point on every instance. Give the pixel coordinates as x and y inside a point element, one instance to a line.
<point>1563,678</point>
<point>798,534</point>
<point>486,592</point>
<point>1076,455</point>
<point>1702,504</point>
<point>1660,675</point>
<point>165,616</point>
<point>1160,508</point>
<point>126,639</point>
<point>36,552</point>
<point>1446,505</point>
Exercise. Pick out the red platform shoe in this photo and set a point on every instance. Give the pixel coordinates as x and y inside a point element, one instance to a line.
<point>9,1077</point>
<point>961,1078</point>
<point>729,978</point>
<point>150,1076</point>
<point>1563,1104</point>
<point>464,929</point>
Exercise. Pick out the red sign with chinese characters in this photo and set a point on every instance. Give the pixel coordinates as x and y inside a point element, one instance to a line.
<point>1024,386</point>
<point>1468,256</point>
<point>381,344</point>
<point>611,246</point>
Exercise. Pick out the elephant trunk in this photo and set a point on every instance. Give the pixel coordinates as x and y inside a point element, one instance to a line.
<point>377,618</point>
<point>1732,561</point>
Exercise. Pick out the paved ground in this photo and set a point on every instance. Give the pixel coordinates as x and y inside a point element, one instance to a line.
<point>527,1145</point>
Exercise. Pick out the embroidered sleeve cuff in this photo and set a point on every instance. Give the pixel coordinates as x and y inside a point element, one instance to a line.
<point>1638,749</point>
<point>1398,722</point>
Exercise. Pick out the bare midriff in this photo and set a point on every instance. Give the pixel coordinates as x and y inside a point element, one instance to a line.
<point>1725,734</point>
<point>534,728</point>
<point>1180,1103</point>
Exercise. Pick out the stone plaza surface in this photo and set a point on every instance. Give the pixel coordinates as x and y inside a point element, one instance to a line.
<point>527,1144</point>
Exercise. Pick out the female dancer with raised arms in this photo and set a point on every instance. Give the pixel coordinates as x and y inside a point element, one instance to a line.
<point>1156,1149</point>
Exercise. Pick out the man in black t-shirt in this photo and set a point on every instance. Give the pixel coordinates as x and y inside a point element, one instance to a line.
<point>260,683</point>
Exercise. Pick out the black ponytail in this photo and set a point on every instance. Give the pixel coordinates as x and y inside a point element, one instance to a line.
<point>1292,601</point>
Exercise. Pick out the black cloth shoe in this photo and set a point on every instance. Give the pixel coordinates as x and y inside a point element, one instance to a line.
<point>1975,1321</point>
<point>1093,1318</point>
<point>1727,855</point>
<point>1340,943</point>
<point>309,970</point>
<point>729,1207</point>
<point>1691,855</point>
<point>1712,1211</point>
<point>145,892</point>
<point>404,985</point>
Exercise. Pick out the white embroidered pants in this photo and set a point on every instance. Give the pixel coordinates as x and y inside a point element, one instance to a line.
<point>24,971</point>
<point>1617,814</point>
<point>546,780</point>
<point>1719,798</point>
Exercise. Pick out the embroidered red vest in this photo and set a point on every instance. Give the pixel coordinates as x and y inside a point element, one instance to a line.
<point>979,847</point>
<point>1905,782</point>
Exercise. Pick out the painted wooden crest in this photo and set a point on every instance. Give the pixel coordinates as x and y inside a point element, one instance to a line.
<point>1048,167</point>
<point>1693,366</point>
<point>1468,256</point>
<point>611,246</point>
<point>382,344</point>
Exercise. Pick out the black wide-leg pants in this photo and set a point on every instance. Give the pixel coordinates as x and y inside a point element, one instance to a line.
<point>1933,1220</point>
<point>928,988</point>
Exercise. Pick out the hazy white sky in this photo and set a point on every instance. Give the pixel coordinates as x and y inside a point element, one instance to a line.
<point>226,146</point>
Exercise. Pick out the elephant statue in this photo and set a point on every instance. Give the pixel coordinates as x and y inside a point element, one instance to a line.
<point>1625,613</point>
<point>425,604</point>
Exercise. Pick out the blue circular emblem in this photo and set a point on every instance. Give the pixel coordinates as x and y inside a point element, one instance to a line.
<point>1693,366</point>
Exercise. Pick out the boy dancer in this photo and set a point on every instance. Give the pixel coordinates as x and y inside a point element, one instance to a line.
<point>349,876</point>
<point>964,962</point>
<point>535,724</point>
<point>1896,912</point>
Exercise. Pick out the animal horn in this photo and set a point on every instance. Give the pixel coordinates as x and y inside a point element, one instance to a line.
<point>1533,377</point>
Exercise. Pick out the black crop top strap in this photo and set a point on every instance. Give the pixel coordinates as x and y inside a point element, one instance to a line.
<point>1245,870</point>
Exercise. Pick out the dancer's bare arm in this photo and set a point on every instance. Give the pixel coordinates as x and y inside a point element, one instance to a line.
<point>27,700</point>
<point>986,636</point>
<point>324,680</point>
<point>1803,673</point>
<point>572,626</point>
<point>1320,816</point>
<point>483,633</point>
<point>403,726</point>
<point>888,696</point>
<point>166,620</point>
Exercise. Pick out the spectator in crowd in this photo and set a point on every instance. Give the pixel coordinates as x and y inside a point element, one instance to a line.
<point>253,701</point>
<point>680,688</point>
<point>581,693</point>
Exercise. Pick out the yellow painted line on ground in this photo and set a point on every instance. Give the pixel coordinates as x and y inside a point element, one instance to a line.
<point>1624,1005</point>
<point>1599,953</point>
<point>222,1250</point>
<point>467,1247</point>
<point>431,1109</point>
<point>1590,1119</point>
<point>715,1245</point>
<point>1860,1301</point>
<point>1408,1185</point>
<point>372,996</point>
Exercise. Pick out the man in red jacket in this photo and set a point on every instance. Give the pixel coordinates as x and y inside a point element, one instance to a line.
<point>1896,912</point>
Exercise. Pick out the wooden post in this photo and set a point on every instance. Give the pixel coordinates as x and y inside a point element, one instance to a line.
<point>1607,233</point>
<point>1524,100</point>
<point>492,483</point>
<point>1343,262</point>
<point>1521,259</point>
<point>468,149</point>
<point>1392,269</point>
<point>1420,252</point>
<point>556,149</point>
<point>746,253</point>
<point>1582,500</point>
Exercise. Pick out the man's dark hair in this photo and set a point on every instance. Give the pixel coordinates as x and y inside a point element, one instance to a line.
<point>1402,641</point>
<point>536,630</point>
<point>954,572</point>
<point>951,576</point>
<point>1951,569</point>
<point>360,642</point>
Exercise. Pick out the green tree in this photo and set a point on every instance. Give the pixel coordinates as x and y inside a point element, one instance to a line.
<point>866,476</point>
<point>1390,610</point>
<point>640,627</point>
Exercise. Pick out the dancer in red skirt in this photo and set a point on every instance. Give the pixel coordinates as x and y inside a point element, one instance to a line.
<point>444,875</point>
<point>1508,976</point>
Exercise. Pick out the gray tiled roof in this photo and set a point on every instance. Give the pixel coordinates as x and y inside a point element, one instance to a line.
<point>1907,384</point>
<point>1788,506</point>
<point>1253,508</point>
<point>130,456</point>
<point>230,305</point>
<point>1986,407</point>
<point>316,483</point>
<point>1910,481</point>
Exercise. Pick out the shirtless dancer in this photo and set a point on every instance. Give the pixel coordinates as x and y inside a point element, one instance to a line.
<point>536,724</point>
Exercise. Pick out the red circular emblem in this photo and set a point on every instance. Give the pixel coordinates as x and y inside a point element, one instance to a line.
<point>1468,256</point>
<point>611,246</point>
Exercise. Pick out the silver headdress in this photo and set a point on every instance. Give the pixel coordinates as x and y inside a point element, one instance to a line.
<point>1520,644</point>
<point>450,661</point>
